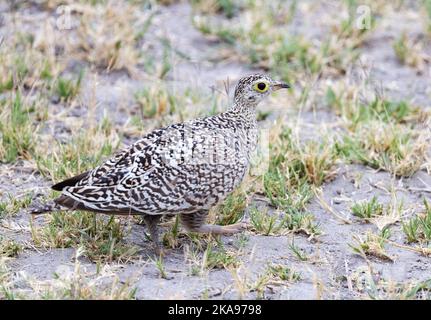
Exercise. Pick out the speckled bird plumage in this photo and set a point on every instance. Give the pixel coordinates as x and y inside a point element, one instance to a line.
<point>184,168</point>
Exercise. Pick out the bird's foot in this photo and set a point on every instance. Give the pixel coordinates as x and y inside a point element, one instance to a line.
<point>222,230</point>
<point>236,227</point>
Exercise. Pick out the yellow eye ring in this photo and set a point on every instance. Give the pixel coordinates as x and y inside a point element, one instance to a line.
<point>261,86</point>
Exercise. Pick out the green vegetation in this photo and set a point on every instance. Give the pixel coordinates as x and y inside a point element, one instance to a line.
<point>218,257</point>
<point>68,89</point>
<point>289,222</point>
<point>283,273</point>
<point>418,228</point>
<point>12,205</point>
<point>232,209</point>
<point>367,209</point>
<point>156,102</point>
<point>9,248</point>
<point>394,148</point>
<point>102,238</point>
<point>372,245</point>
<point>85,151</point>
<point>17,130</point>
<point>260,36</point>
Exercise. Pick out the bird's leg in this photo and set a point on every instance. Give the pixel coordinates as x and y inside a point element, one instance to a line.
<point>151,221</point>
<point>195,222</point>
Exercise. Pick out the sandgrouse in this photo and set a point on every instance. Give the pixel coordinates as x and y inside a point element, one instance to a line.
<point>184,168</point>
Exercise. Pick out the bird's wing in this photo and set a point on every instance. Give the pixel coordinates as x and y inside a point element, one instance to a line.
<point>172,171</point>
<point>109,172</point>
<point>107,187</point>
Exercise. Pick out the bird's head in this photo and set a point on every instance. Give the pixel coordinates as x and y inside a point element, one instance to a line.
<point>252,89</point>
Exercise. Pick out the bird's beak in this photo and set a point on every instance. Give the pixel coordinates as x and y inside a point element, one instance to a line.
<point>280,85</point>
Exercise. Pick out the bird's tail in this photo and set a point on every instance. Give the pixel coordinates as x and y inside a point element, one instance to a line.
<point>38,208</point>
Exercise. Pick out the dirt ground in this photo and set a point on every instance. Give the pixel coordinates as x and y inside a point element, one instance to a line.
<point>330,269</point>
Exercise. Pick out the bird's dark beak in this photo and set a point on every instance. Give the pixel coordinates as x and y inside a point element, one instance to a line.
<point>280,85</point>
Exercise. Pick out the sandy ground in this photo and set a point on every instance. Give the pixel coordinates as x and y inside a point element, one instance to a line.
<point>333,270</point>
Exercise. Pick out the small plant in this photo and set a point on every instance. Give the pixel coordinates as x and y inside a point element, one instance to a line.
<point>158,262</point>
<point>9,248</point>
<point>372,245</point>
<point>345,103</point>
<point>294,168</point>
<point>378,287</point>
<point>290,221</point>
<point>259,286</point>
<point>392,290</point>
<point>265,223</point>
<point>242,240</point>
<point>155,102</point>
<point>6,282</point>
<point>67,89</point>
<point>225,7</point>
<point>298,252</point>
<point>23,65</point>
<point>74,283</point>
<point>16,130</point>
<point>108,33</point>
<point>218,258</point>
<point>83,152</point>
<point>393,148</point>
<point>418,228</point>
<point>281,195</point>
<point>301,222</point>
<point>232,209</point>
<point>283,273</point>
<point>427,7</point>
<point>409,53</point>
<point>101,238</point>
<point>170,238</point>
<point>367,209</point>
<point>195,263</point>
<point>380,215</point>
<point>313,162</point>
<point>13,205</point>
<point>398,111</point>
<point>297,54</point>
<point>166,65</point>
<point>7,84</point>
<point>401,48</point>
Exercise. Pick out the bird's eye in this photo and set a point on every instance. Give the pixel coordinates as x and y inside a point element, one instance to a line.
<point>261,87</point>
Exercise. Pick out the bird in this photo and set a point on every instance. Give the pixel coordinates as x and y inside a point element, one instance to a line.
<point>184,168</point>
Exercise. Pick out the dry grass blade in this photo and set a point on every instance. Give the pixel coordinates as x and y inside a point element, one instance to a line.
<point>319,195</point>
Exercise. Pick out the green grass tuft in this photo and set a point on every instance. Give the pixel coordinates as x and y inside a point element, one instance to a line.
<point>418,228</point>
<point>16,130</point>
<point>67,89</point>
<point>367,209</point>
<point>102,238</point>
